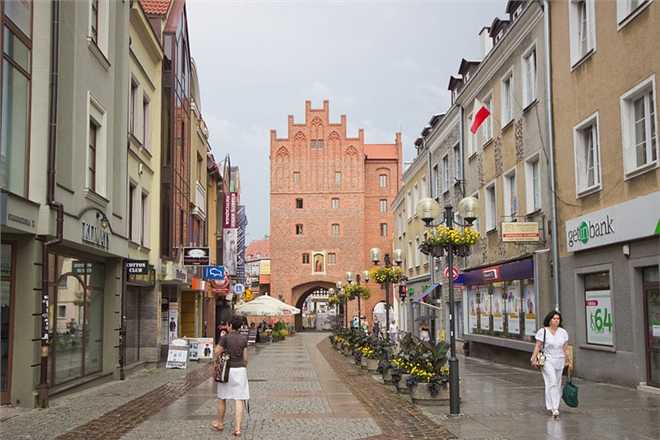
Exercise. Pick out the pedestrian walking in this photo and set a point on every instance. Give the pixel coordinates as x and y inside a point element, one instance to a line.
<point>237,387</point>
<point>393,332</point>
<point>376,328</point>
<point>424,333</point>
<point>550,355</point>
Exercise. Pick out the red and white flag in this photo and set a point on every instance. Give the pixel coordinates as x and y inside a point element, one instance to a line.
<point>480,115</point>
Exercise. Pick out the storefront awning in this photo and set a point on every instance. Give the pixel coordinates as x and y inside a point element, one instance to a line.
<point>515,270</point>
<point>419,297</point>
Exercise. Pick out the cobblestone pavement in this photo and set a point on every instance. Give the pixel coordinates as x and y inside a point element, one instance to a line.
<point>294,394</point>
<point>80,408</point>
<point>506,403</point>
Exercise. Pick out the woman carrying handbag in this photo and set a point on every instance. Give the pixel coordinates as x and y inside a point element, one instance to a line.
<point>233,386</point>
<point>550,356</point>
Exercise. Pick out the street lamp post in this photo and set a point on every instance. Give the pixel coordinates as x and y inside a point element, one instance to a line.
<point>428,209</point>
<point>343,301</point>
<point>375,258</point>
<point>349,279</point>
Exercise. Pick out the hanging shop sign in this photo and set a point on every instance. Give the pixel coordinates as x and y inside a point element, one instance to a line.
<point>520,231</point>
<point>137,267</point>
<point>214,273</point>
<point>81,268</point>
<point>634,219</point>
<point>230,209</point>
<point>196,256</point>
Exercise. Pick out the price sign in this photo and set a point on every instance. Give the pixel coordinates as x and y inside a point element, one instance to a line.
<point>600,322</point>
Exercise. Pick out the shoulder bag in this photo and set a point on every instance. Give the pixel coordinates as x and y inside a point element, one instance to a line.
<point>540,356</point>
<point>221,367</point>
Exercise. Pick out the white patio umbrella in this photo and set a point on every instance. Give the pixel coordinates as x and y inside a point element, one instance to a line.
<point>266,306</point>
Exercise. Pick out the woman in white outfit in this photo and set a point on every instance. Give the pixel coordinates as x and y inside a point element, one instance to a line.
<point>555,349</point>
<point>237,387</point>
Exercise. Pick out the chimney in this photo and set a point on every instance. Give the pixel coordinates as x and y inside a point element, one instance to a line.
<point>485,42</point>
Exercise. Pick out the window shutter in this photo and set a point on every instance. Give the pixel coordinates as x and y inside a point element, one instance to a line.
<point>621,9</point>
<point>580,164</point>
<point>627,133</point>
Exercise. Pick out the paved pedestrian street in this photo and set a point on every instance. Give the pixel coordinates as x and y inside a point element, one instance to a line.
<point>301,388</point>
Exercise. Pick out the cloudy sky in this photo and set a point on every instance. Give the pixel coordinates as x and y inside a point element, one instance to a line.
<point>385,64</point>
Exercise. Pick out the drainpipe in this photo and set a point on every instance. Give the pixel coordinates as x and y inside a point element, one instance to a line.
<point>45,337</point>
<point>551,143</point>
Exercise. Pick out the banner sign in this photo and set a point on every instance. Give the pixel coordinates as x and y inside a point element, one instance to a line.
<point>195,256</point>
<point>214,273</point>
<point>230,209</point>
<point>230,244</point>
<point>177,354</point>
<point>634,219</point>
<point>598,305</point>
<point>137,267</point>
<point>520,231</point>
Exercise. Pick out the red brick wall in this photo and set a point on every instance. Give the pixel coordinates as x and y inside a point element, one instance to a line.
<point>358,215</point>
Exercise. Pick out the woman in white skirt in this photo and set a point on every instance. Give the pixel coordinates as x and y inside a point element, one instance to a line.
<point>552,340</point>
<point>237,387</point>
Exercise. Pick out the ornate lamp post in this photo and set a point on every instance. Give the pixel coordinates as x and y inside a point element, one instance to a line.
<point>338,284</point>
<point>349,279</point>
<point>428,209</point>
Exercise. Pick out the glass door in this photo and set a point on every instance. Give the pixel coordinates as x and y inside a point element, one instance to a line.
<point>6,321</point>
<point>651,291</point>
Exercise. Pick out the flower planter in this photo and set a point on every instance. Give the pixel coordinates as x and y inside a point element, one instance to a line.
<point>401,386</point>
<point>372,364</point>
<point>421,394</point>
<point>363,362</point>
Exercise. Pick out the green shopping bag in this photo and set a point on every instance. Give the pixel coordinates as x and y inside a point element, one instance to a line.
<point>570,393</point>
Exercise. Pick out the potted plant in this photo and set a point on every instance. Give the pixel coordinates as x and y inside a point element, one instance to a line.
<point>384,274</point>
<point>431,375</point>
<point>437,240</point>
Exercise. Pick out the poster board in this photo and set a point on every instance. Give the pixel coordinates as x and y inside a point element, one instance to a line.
<point>529,308</point>
<point>513,307</point>
<point>200,348</point>
<point>177,354</point>
<point>598,304</point>
<point>498,308</point>
<point>484,308</point>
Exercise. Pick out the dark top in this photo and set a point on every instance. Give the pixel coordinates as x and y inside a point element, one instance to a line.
<point>234,343</point>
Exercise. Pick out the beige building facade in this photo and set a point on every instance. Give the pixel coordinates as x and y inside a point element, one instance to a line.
<point>605,102</point>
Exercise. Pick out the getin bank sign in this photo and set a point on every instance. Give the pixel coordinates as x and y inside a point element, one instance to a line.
<point>634,219</point>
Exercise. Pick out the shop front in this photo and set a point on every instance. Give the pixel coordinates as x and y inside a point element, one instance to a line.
<point>500,313</point>
<point>141,307</point>
<point>173,280</point>
<point>610,286</point>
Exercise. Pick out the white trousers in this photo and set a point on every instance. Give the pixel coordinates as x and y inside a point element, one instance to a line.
<point>552,370</point>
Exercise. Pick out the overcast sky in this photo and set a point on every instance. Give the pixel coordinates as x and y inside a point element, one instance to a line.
<point>385,64</point>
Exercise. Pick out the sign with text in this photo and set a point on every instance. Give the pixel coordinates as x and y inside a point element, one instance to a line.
<point>598,305</point>
<point>195,256</point>
<point>95,235</point>
<point>177,354</point>
<point>229,210</point>
<point>137,267</point>
<point>520,231</point>
<point>636,218</point>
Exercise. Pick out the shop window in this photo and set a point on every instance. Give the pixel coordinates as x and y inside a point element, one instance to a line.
<point>598,308</point>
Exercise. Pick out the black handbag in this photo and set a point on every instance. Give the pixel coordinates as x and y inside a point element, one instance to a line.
<point>222,368</point>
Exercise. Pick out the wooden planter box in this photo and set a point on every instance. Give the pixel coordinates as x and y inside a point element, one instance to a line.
<point>421,395</point>
<point>372,364</point>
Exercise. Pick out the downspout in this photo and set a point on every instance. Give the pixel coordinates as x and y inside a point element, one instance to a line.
<point>551,143</point>
<point>50,201</point>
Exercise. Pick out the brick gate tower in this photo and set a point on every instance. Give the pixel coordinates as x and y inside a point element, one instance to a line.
<point>330,197</point>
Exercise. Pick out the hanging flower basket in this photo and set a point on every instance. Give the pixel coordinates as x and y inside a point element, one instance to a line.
<point>437,240</point>
<point>353,291</point>
<point>384,275</point>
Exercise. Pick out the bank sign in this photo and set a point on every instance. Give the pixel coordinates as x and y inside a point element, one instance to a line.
<point>632,220</point>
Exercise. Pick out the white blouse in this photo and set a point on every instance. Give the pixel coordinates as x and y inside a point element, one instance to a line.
<point>554,344</point>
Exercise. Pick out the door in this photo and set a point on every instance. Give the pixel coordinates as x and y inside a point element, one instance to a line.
<point>188,315</point>
<point>651,292</point>
<point>6,320</point>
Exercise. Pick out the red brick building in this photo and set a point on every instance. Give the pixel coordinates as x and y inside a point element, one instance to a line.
<point>330,198</point>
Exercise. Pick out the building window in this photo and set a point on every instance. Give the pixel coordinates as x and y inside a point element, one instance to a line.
<point>146,138</point>
<point>598,308</point>
<point>334,203</point>
<point>491,208</point>
<point>383,229</point>
<point>94,21</point>
<point>299,229</point>
<point>415,199</point>
<point>409,260</point>
<point>639,127</point>
<point>98,24</point>
<point>486,129</point>
<point>510,196</point>
<point>476,224</point>
<point>131,211</point>
<point>382,206</point>
<point>529,77</point>
<point>200,167</point>
<point>337,177</point>
<point>471,138</point>
<point>91,155</point>
<point>61,311</point>
<point>335,229</point>
<point>587,163</point>
<point>445,174</point>
<point>299,203</point>
<point>132,114</point>
<point>296,177</point>
<point>435,182</point>
<point>332,258</point>
<point>582,29</point>
<point>507,99</point>
<point>532,184</point>
<point>305,258</point>
<point>418,259</point>
<point>16,80</point>
<point>409,205</point>
<point>144,220</point>
<point>625,8</point>
<point>458,164</point>
<point>382,180</point>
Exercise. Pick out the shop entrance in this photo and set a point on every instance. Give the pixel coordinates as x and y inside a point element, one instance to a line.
<point>6,320</point>
<point>651,292</point>
<point>188,314</point>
